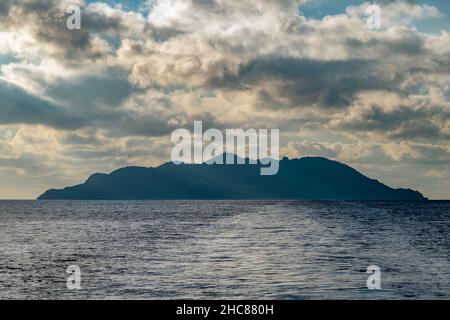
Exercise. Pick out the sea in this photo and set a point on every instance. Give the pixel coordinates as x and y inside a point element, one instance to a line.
<point>224,250</point>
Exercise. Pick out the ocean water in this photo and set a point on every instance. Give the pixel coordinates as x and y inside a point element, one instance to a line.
<point>224,249</point>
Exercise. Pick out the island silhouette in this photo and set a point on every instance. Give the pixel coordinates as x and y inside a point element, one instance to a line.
<point>308,178</point>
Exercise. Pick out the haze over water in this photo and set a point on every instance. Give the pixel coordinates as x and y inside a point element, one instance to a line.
<point>224,249</point>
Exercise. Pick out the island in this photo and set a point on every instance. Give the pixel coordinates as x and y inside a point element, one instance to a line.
<point>308,178</point>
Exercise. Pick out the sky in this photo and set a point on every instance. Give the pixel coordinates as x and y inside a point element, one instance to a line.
<point>75,102</point>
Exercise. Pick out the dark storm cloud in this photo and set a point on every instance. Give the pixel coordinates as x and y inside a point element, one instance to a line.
<point>109,90</point>
<point>401,123</point>
<point>405,44</point>
<point>307,82</point>
<point>18,106</point>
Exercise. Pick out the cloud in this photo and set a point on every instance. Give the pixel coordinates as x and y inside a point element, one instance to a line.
<point>397,12</point>
<point>114,90</point>
<point>308,148</point>
<point>18,106</point>
<point>418,152</point>
<point>301,82</point>
<point>396,117</point>
<point>44,23</point>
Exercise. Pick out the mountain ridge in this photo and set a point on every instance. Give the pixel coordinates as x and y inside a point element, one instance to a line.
<point>307,178</point>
